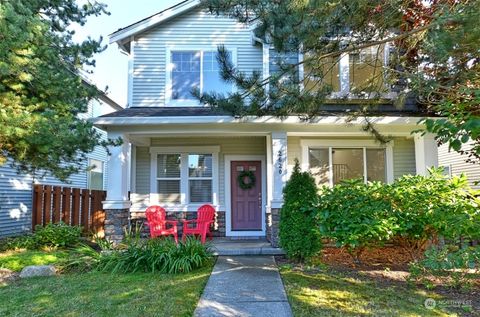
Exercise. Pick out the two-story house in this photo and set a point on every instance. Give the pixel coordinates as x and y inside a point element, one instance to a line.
<point>184,155</point>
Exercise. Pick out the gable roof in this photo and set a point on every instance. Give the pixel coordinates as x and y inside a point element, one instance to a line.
<point>122,36</point>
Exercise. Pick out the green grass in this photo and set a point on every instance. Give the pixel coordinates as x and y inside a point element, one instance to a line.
<point>105,294</point>
<point>333,294</point>
<point>96,293</point>
<point>16,260</point>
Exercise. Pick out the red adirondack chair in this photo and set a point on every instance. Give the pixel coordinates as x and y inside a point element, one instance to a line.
<point>201,225</point>
<point>158,224</point>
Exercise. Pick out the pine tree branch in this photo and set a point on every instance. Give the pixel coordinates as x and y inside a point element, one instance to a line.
<point>290,67</point>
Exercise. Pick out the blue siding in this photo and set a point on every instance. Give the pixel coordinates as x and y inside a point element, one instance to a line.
<point>196,29</point>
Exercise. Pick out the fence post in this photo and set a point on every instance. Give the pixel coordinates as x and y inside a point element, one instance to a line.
<point>85,209</point>
<point>47,205</point>
<point>76,207</point>
<point>37,205</point>
<point>66,205</point>
<point>57,202</point>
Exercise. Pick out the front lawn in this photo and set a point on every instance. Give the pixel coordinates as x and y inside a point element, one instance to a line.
<point>16,260</point>
<point>95,293</point>
<point>105,294</point>
<point>329,293</point>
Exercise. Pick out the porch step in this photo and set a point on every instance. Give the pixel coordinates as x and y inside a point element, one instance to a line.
<point>222,246</point>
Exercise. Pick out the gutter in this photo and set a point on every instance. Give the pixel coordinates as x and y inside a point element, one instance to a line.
<point>292,120</point>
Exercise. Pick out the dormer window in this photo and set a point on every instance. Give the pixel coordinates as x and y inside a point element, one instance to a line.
<point>193,69</point>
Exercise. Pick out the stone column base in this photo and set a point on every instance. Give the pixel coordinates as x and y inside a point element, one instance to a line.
<point>116,223</point>
<point>273,223</point>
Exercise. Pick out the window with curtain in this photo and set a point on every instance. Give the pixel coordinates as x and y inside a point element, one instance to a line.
<point>168,177</point>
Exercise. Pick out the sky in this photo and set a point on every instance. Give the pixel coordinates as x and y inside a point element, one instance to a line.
<point>111,65</point>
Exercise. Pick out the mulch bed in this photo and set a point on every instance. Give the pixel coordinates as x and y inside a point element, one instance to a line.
<point>386,266</point>
<point>371,259</point>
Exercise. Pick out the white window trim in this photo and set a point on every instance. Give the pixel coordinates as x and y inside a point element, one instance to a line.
<point>169,102</point>
<point>306,145</point>
<point>344,77</point>
<point>104,165</point>
<point>184,151</point>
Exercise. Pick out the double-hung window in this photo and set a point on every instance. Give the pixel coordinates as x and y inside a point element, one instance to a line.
<point>184,176</point>
<point>331,164</point>
<point>194,70</point>
<point>168,177</point>
<point>200,178</point>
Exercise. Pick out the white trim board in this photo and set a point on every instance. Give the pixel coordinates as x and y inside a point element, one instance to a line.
<point>365,144</point>
<point>184,151</point>
<point>169,102</point>
<point>156,19</point>
<point>228,196</point>
<point>326,120</point>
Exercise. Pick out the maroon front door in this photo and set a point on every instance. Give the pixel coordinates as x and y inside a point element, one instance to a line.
<point>246,203</point>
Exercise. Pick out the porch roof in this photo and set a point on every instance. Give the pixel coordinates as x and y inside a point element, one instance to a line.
<point>149,121</point>
<point>327,110</point>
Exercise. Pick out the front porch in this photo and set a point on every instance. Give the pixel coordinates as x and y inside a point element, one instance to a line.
<point>182,166</point>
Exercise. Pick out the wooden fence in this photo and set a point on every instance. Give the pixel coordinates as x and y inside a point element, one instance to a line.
<point>73,206</point>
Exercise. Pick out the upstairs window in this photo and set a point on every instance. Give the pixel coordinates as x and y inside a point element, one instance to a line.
<point>365,68</point>
<point>195,69</point>
<point>351,73</point>
<point>185,74</point>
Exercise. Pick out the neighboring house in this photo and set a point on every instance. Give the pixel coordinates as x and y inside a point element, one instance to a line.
<point>16,189</point>
<point>456,164</point>
<point>184,155</point>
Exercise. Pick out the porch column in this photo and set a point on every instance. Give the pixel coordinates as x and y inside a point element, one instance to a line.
<point>277,177</point>
<point>426,153</point>
<point>117,203</point>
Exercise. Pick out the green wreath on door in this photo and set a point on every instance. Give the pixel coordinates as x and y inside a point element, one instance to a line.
<point>246,180</point>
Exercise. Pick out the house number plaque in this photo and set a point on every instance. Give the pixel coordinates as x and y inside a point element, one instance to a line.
<point>280,162</point>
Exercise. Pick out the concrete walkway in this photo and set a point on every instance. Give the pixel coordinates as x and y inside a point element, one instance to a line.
<point>244,286</point>
<point>224,246</point>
